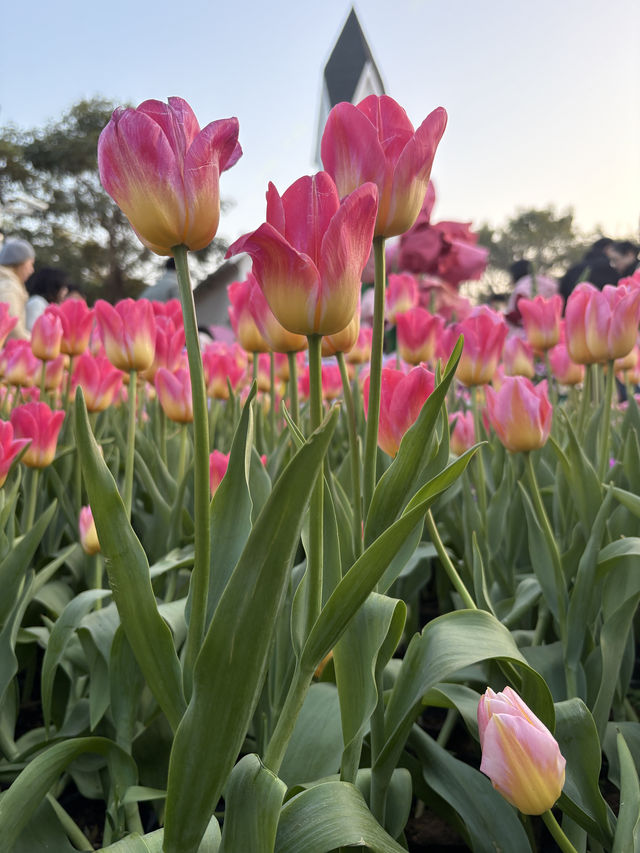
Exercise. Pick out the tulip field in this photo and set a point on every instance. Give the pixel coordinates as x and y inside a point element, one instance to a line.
<point>303,592</point>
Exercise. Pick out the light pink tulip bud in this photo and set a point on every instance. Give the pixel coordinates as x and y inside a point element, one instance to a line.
<point>484,333</point>
<point>77,322</point>
<point>541,320</point>
<point>463,434</point>
<point>9,448</point>
<point>402,397</point>
<point>519,753</point>
<point>174,393</point>
<point>601,325</point>
<point>418,333</point>
<point>99,379</point>
<point>218,464</point>
<point>128,332</point>
<point>360,353</point>
<point>19,364</point>
<point>401,295</point>
<point>242,322</point>
<point>88,532</point>
<point>37,422</point>
<point>517,357</point>
<point>46,337</point>
<point>520,413</point>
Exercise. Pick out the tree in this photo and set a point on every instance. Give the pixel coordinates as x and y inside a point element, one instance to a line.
<point>50,193</point>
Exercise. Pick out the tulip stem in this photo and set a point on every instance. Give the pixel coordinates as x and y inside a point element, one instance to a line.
<point>447,564</point>
<point>556,831</point>
<point>481,487</point>
<point>131,443</point>
<point>355,456</point>
<point>605,427</point>
<point>272,407</point>
<point>585,403</point>
<point>287,717</point>
<point>315,555</point>
<point>200,574</point>
<point>294,405</point>
<point>375,374</point>
<point>33,498</point>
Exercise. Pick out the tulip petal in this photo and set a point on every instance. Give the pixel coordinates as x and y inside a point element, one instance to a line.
<point>309,205</point>
<point>177,120</point>
<point>288,278</point>
<point>392,124</point>
<point>350,148</point>
<point>275,209</point>
<point>345,248</point>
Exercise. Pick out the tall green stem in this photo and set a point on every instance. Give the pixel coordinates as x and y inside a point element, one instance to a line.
<point>131,442</point>
<point>447,564</point>
<point>558,835</point>
<point>277,747</point>
<point>200,573</point>
<point>315,556</point>
<point>32,501</point>
<point>354,450</point>
<point>481,487</point>
<point>375,374</point>
<point>585,403</point>
<point>294,405</point>
<point>272,406</point>
<point>605,427</point>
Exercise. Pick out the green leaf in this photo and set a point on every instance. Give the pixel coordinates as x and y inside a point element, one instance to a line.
<point>62,631</point>
<point>128,570</point>
<point>153,842</point>
<point>253,797</point>
<point>328,816</point>
<point>581,799</point>
<point>315,747</point>
<point>20,802</point>
<point>492,824</point>
<point>230,667</point>
<point>627,837</point>
<point>8,659</point>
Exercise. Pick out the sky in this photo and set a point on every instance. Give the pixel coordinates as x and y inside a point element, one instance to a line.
<point>543,97</point>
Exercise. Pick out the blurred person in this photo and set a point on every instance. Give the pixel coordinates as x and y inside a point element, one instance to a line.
<point>595,267</point>
<point>526,284</point>
<point>624,257</point>
<point>44,286</point>
<point>166,287</point>
<point>16,265</point>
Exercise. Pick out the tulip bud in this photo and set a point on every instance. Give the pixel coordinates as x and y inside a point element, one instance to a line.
<point>519,753</point>
<point>520,413</point>
<point>88,532</point>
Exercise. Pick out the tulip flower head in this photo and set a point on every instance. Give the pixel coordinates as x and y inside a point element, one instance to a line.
<point>463,434</point>
<point>360,353</point>
<point>174,393</point>
<point>484,335</point>
<point>241,317</point>
<point>601,325</point>
<point>541,320</point>
<point>99,379</point>
<point>418,333</point>
<point>517,356</point>
<point>520,413</point>
<point>77,322</point>
<point>309,255</point>
<point>7,322</point>
<point>218,464</point>
<point>163,172</point>
<point>401,295</point>
<point>277,337</point>
<point>402,397</point>
<point>37,422</point>
<point>567,372</point>
<point>18,363</point>
<point>46,337</point>
<point>375,141</point>
<point>221,365</point>
<point>128,332</point>
<point>519,753</point>
<point>87,530</point>
<point>10,447</point>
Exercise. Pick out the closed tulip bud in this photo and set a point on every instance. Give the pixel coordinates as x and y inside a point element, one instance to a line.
<point>170,344</point>
<point>401,295</point>
<point>402,397</point>
<point>484,335</point>
<point>375,141</point>
<point>520,413</point>
<point>9,448</point>
<point>360,353</point>
<point>37,422</point>
<point>519,753</point>
<point>222,368</point>
<point>541,320</point>
<point>77,322</point>
<point>128,332</point>
<point>243,323</point>
<point>418,333</point>
<point>309,255</point>
<point>163,172</point>
<point>19,364</point>
<point>601,325</point>
<point>54,372</point>
<point>174,393</point>
<point>218,464</point>
<point>517,357</point>
<point>99,379</point>
<point>463,434</point>
<point>342,341</point>
<point>46,336</point>
<point>88,532</point>
<point>7,322</point>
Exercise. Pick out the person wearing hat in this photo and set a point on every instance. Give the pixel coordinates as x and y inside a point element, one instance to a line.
<point>16,265</point>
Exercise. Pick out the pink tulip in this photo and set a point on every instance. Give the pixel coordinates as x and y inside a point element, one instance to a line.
<point>519,753</point>
<point>77,322</point>
<point>463,434</point>
<point>418,333</point>
<point>517,357</point>
<point>174,393</point>
<point>375,141</point>
<point>331,382</point>
<point>462,261</point>
<point>401,295</point>
<point>128,332</point>
<point>567,372</point>
<point>54,372</point>
<point>629,362</point>
<point>520,413</point>
<point>87,530</point>
<point>242,322</point>
<point>309,255</point>
<point>402,397</point>
<point>541,320</point>
<point>37,422</point>
<point>221,363</point>
<point>601,325</point>
<point>46,336</point>
<point>343,341</point>
<point>218,464</point>
<point>99,379</point>
<point>484,336</point>
<point>170,346</point>
<point>7,322</point>
<point>19,365</point>
<point>163,172</point>
<point>277,337</point>
<point>9,448</point>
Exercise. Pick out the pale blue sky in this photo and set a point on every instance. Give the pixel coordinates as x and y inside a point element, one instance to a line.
<point>543,96</point>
